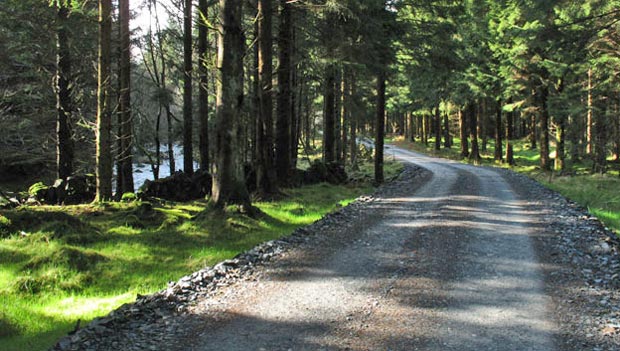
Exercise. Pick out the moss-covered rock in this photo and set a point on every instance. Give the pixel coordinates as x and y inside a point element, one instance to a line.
<point>177,187</point>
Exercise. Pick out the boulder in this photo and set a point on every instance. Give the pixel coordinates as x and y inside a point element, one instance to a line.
<point>330,172</point>
<point>74,190</point>
<point>79,189</point>
<point>177,187</point>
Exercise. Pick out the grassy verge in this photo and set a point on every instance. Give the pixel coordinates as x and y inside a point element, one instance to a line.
<point>60,264</point>
<point>598,193</point>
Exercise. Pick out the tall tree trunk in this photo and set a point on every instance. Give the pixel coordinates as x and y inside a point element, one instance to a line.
<point>283,123</point>
<point>616,128</point>
<point>425,129</point>
<point>170,139</point>
<point>64,141</point>
<point>308,125</point>
<point>380,128</point>
<point>203,97</point>
<point>575,136</point>
<point>509,137</point>
<point>265,174</point>
<point>294,116</point>
<point>228,182</point>
<point>600,138</point>
<point>482,125</point>
<point>346,113</point>
<point>463,133</point>
<point>533,135</point>
<point>473,114</point>
<point>545,163</point>
<point>329,152</point>
<point>498,132</point>
<point>338,110</point>
<point>437,121</point>
<point>296,86</point>
<point>104,117</point>
<point>412,126</point>
<point>125,176</point>
<point>560,164</point>
<point>354,121</point>
<point>166,102</point>
<point>447,138</point>
<point>188,149</point>
<point>297,118</point>
<point>589,119</point>
<point>560,150</point>
<point>155,166</point>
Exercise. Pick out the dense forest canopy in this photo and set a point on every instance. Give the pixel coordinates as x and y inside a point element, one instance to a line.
<point>244,87</point>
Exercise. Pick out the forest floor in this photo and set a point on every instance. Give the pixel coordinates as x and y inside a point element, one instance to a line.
<point>447,257</point>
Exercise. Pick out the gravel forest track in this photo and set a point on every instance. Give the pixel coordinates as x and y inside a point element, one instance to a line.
<point>445,262</point>
<point>446,257</point>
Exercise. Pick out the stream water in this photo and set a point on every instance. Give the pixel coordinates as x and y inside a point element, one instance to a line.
<point>143,171</point>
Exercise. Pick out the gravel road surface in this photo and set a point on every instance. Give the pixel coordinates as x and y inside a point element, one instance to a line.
<point>443,262</point>
<point>446,257</point>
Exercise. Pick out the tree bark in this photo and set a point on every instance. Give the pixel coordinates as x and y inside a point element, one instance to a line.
<point>600,138</point>
<point>265,174</point>
<point>203,97</point>
<point>64,108</point>
<point>188,150</point>
<point>346,113</point>
<point>482,129</point>
<point>283,123</point>
<point>616,128</point>
<point>437,120</point>
<point>338,111</point>
<point>228,182</point>
<point>329,152</point>
<point>296,90</point>
<point>473,113</point>
<point>125,174</point>
<point>380,128</point>
<point>446,129</point>
<point>104,118</point>
<point>463,133</point>
<point>498,132</point>
<point>425,129</point>
<point>354,121</point>
<point>560,164</point>
<point>533,135</point>
<point>545,163</point>
<point>560,150</point>
<point>509,136</point>
<point>589,119</point>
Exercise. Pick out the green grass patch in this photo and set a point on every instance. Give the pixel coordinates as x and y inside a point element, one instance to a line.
<point>60,264</point>
<point>598,193</point>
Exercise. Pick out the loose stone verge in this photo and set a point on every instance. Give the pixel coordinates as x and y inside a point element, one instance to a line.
<point>581,258</point>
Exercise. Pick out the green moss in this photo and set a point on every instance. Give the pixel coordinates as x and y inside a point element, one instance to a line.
<point>128,197</point>
<point>35,188</point>
<point>5,226</point>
